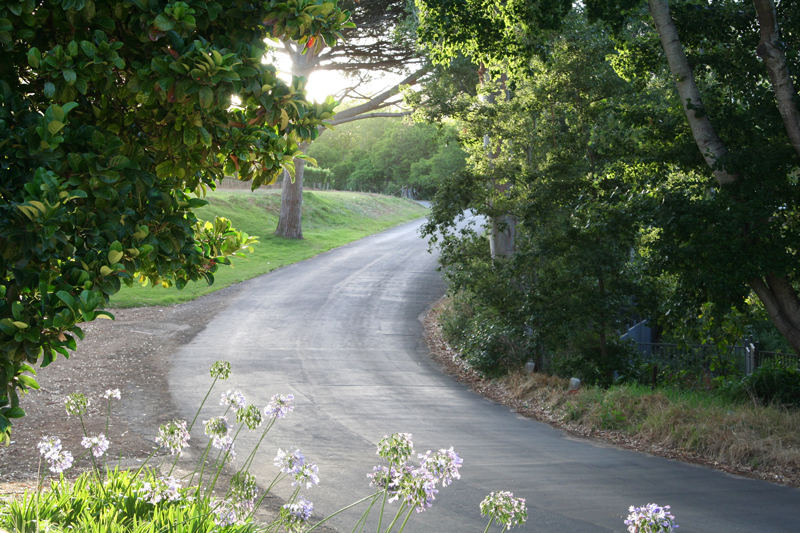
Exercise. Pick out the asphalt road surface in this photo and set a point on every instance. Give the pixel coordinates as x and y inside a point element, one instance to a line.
<point>342,332</point>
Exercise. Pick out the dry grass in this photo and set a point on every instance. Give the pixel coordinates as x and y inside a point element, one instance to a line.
<point>742,437</point>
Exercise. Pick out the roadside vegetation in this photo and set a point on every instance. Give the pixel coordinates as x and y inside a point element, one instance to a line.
<point>331,219</point>
<point>748,424</point>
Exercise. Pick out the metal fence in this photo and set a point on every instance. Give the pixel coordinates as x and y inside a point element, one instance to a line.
<point>711,359</point>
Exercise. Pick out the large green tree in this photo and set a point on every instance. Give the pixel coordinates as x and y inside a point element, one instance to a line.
<point>722,185</point>
<point>114,116</point>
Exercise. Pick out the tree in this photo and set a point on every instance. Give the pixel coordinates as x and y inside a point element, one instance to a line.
<point>377,42</point>
<point>726,218</point>
<point>113,117</point>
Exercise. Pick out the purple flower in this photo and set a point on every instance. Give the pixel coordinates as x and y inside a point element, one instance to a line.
<point>279,405</point>
<point>443,465</point>
<point>505,508</point>
<point>161,489</point>
<point>98,444</point>
<point>233,399</point>
<point>57,458</point>
<point>307,474</point>
<point>295,515</point>
<point>244,491</point>
<point>289,463</point>
<point>417,488</point>
<point>650,518</point>
<point>173,436</point>
<point>225,514</point>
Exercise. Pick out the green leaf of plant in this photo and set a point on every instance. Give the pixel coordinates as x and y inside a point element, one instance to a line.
<point>114,256</point>
<point>54,126</point>
<point>69,75</point>
<point>206,97</point>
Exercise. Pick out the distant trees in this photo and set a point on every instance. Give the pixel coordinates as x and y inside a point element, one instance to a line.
<point>386,155</point>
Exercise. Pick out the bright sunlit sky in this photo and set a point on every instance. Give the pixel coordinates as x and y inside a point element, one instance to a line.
<point>322,83</point>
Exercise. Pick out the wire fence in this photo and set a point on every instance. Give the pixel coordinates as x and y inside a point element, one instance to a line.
<point>713,360</point>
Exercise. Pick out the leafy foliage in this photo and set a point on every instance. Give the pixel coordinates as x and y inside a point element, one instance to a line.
<point>112,115</point>
<point>384,155</point>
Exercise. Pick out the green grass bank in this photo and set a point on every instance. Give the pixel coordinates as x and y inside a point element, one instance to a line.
<point>330,219</point>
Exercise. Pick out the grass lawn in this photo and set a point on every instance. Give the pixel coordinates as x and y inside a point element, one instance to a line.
<point>330,219</point>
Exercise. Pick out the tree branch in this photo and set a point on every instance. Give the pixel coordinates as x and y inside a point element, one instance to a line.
<point>770,50</point>
<point>707,140</point>
<point>336,122</point>
<point>377,101</point>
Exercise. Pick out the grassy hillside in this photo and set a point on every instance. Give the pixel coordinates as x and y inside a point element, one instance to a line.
<point>330,219</point>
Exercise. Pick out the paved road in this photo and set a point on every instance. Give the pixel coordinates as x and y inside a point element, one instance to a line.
<point>342,333</point>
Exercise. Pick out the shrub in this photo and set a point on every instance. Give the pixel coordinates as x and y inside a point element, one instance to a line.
<point>773,383</point>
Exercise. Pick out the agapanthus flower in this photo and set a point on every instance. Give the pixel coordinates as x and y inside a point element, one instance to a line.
<point>57,458</point>
<point>112,393</point>
<point>279,405</point>
<point>221,370</point>
<point>225,444</point>
<point>443,465</point>
<point>295,515</point>
<point>307,474</point>
<point>232,398</point>
<point>416,487</point>
<point>225,514</point>
<point>161,489</point>
<point>651,518</point>
<point>216,427</point>
<point>244,487</point>
<point>76,404</point>
<point>289,463</point>
<point>396,448</point>
<point>250,415</point>
<point>505,508</point>
<point>173,436</point>
<point>98,444</point>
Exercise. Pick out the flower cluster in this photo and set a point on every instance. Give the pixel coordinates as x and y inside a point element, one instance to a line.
<point>250,415</point>
<point>76,404</point>
<point>651,518</point>
<point>396,448</point>
<point>233,399</point>
<point>279,405</point>
<point>415,485</point>
<point>173,436</point>
<point>220,370</point>
<point>295,465</point>
<point>295,515</point>
<point>112,393</point>
<point>225,514</point>
<point>57,458</point>
<point>161,489</point>
<point>244,491</point>
<point>444,465</point>
<point>505,508</point>
<point>218,430</point>
<point>98,444</point>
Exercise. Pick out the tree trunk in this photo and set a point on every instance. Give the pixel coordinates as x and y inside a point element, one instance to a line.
<point>775,291</point>
<point>770,49</point>
<point>502,236</point>
<point>781,302</point>
<point>710,145</point>
<point>290,220</point>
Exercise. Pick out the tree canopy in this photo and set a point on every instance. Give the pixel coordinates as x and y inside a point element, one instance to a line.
<point>115,117</point>
<point>649,138</point>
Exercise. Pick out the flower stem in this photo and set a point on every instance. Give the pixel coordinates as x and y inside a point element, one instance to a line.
<point>383,506</point>
<point>403,525</point>
<point>363,520</point>
<point>343,509</point>
<point>491,520</point>
<point>396,517</point>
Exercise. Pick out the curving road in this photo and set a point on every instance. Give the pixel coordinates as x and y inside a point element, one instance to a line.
<point>342,333</point>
